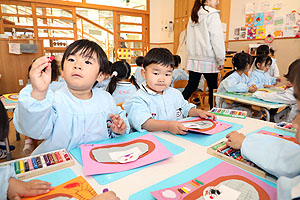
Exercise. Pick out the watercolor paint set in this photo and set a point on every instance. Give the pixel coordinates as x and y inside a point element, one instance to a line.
<point>234,157</point>
<point>286,126</point>
<point>229,112</point>
<point>40,164</point>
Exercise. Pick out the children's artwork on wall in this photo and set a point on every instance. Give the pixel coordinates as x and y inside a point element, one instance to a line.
<point>278,23</point>
<point>286,137</point>
<point>243,33</point>
<point>259,19</point>
<point>291,19</point>
<point>289,32</point>
<point>77,188</point>
<point>251,8</point>
<point>117,157</point>
<point>278,33</point>
<point>277,6</point>
<point>204,126</point>
<point>269,18</point>
<point>251,33</point>
<point>249,20</point>
<point>265,6</point>
<point>260,32</point>
<point>224,181</point>
<point>124,53</point>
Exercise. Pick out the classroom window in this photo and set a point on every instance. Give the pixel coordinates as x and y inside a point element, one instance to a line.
<point>134,4</point>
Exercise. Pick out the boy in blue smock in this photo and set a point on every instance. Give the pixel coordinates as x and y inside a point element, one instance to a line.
<point>156,106</point>
<point>138,75</point>
<point>275,155</point>
<point>259,76</point>
<point>178,73</point>
<point>76,113</point>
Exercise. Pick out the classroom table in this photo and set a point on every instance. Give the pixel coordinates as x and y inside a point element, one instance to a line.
<point>153,174</point>
<point>264,106</point>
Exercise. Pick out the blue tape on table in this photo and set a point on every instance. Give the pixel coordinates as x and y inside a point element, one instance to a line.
<point>206,140</point>
<point>104,179</point>
<point>58,177</point>
<point>183,177</point>
<point>249,98</point>
<point>275,130</point>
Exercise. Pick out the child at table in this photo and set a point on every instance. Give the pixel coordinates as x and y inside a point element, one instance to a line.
<point>120,86</point>
<point>156,106</point>
<point>76,113</point>
<point>236,80</point>
<point>179,73</point>
<point>138,76</point>
<point>259,77</point>
<point>286,96</point>
<point>103,84</point>
<point>275,155</point>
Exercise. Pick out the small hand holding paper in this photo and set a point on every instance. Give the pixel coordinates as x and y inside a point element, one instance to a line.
<point>118,125</point>
<point>176,127</point>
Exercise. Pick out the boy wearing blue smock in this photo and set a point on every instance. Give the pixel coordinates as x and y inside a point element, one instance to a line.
<point>138,75</point>
<point>275,155</point>
<point>156,106</point>
<point>76,113</point>
<point>178,73</point>
<point>259,76</point>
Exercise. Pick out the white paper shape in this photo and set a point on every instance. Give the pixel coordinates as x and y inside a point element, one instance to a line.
<point>169,194</point>
<point>249,8</point>
<point>291,20</point>
<point>14,48</point>
<point>126,156</point>
<point>198,124</point>
<point>224,193</point>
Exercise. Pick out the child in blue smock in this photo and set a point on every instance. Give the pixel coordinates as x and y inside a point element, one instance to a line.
<point>120,86</point>
<point>236,80</point>
<point>156,106</point>
<point>259,76</point>
<point>138,75</point>
<point>76,113</point>
<point>275,155</point>
<point>103,84</point>
<point>178,73</point>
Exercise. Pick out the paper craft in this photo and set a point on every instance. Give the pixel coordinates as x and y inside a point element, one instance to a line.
<point>109,158</point>
<point>249,20</point>
<point>77,188</point>
<point>286,137</point>
<point>269,18</point>
<point>220,182</point>
<point>291,19</point>
<point>204,126</point>
<point>14,48</point>
<point>251,33</point>
<point>265,6</point>
<point>12,96</point>
<point>278,23</point>
<point>260,32</point>
<point>259,19</point>
<point>124,53</point>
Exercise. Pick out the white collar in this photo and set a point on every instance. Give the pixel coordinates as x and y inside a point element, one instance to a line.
<point>147,90</point>
<point>124,83</point>
<point>261,71</point>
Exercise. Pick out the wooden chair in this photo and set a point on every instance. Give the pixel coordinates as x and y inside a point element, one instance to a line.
<point>180,84</point>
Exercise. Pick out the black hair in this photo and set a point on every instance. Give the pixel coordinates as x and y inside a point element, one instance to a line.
<point>139,61</point>
<point>123,70</point>
<point>263,50</point>
<point>55,72</point>
<point>87,48</point>
<point>296,84</point>
<point>197,5</point>
<point>263,59</point>
<point>177,60</point>
<point>239,62</point>
<point>4,123</point>
<point>159,56</point>
<point>293,71</point>
<point>272,51</point>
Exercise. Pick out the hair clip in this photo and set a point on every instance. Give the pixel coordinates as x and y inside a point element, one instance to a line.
<point>115,73</point>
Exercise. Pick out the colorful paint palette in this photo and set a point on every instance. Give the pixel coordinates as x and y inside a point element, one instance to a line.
<point>229,112</point>
<point>233,156</point>
<point>286,126</point>
<point>40,164</point>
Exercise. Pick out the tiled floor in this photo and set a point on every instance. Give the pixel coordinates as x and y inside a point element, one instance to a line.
<point>19,145</point>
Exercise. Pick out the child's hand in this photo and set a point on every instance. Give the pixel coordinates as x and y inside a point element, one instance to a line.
<point>201,113</point>
<point>110,195</point>
<point>176,127</point>
<point>17,188</point>
<point>288,85</point>
<point>252,88</point>
<point>118,125</point>
<point>40,77</point>
<point>267,86</point>
<point>235,139</point>
<point>278,79</point>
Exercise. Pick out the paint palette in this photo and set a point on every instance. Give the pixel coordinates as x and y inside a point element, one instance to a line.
<point>286,126</point>
<point>233,156</point>
<point>40,164</point>
<point>229,112</point>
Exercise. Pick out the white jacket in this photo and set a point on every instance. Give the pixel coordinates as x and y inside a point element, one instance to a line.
<point>205,40</point>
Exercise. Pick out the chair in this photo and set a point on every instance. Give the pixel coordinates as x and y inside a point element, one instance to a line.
<point>180,84</point>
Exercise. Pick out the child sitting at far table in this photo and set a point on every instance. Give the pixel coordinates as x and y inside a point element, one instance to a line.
<point>156,106</point>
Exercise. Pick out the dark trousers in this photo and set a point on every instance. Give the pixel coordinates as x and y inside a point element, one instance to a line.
<point>194,78</point>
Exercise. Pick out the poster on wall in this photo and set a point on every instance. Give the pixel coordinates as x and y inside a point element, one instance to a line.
<point>260,32</point>
<point>269,18</point>
<point>278,23</point>
<point>265,6</point>
<point>250,20</point>
<point>251,33</point>
<point>259,19</point>
<point>291,19</point>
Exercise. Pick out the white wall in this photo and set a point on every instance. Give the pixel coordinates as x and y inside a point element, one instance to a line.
<point>237,14</point>
<point>161,12</point>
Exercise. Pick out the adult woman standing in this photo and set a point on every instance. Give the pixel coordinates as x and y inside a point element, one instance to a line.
<point>205,47</point>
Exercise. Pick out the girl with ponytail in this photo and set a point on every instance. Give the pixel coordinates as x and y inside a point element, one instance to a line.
<point>121,87</point>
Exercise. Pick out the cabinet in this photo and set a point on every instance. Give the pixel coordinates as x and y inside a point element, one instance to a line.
<point>14,68</point>
<point>182,13</point>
